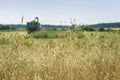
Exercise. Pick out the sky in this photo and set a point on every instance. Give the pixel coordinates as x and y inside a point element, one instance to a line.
<point>60,12</point>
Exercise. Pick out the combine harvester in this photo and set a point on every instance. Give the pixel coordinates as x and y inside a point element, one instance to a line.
<point>33,26</point>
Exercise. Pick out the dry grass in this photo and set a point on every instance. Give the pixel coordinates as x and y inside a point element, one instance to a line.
<point>90,58</point>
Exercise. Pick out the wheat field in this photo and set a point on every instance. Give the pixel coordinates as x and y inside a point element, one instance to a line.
<point>96,56</point>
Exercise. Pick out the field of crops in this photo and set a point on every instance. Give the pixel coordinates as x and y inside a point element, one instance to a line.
<point>91,56</point>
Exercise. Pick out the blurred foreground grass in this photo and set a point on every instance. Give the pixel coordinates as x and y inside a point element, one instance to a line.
<point>96,56</point>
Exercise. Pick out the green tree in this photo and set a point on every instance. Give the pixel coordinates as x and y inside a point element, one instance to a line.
<point>101,29</point>
<point>87,28</point>
<point>6,27</point>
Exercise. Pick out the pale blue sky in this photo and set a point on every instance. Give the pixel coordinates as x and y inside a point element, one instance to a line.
<point>55,11</point>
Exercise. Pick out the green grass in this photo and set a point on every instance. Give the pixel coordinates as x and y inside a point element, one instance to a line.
<point>52,34</point>
<point>48,34</point>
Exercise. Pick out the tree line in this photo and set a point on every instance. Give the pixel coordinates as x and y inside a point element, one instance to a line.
<point>7,27</point>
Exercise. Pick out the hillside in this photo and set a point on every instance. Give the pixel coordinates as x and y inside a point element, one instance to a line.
<point>106,25</point>
<point>43,26</point>
<point>46,26</point>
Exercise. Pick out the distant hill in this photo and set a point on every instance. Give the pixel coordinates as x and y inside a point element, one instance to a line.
<point>54,26</point>
<point>17,25</point>
<point>100,25</point>
<point>107,25</point>
<point>43,26</point>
